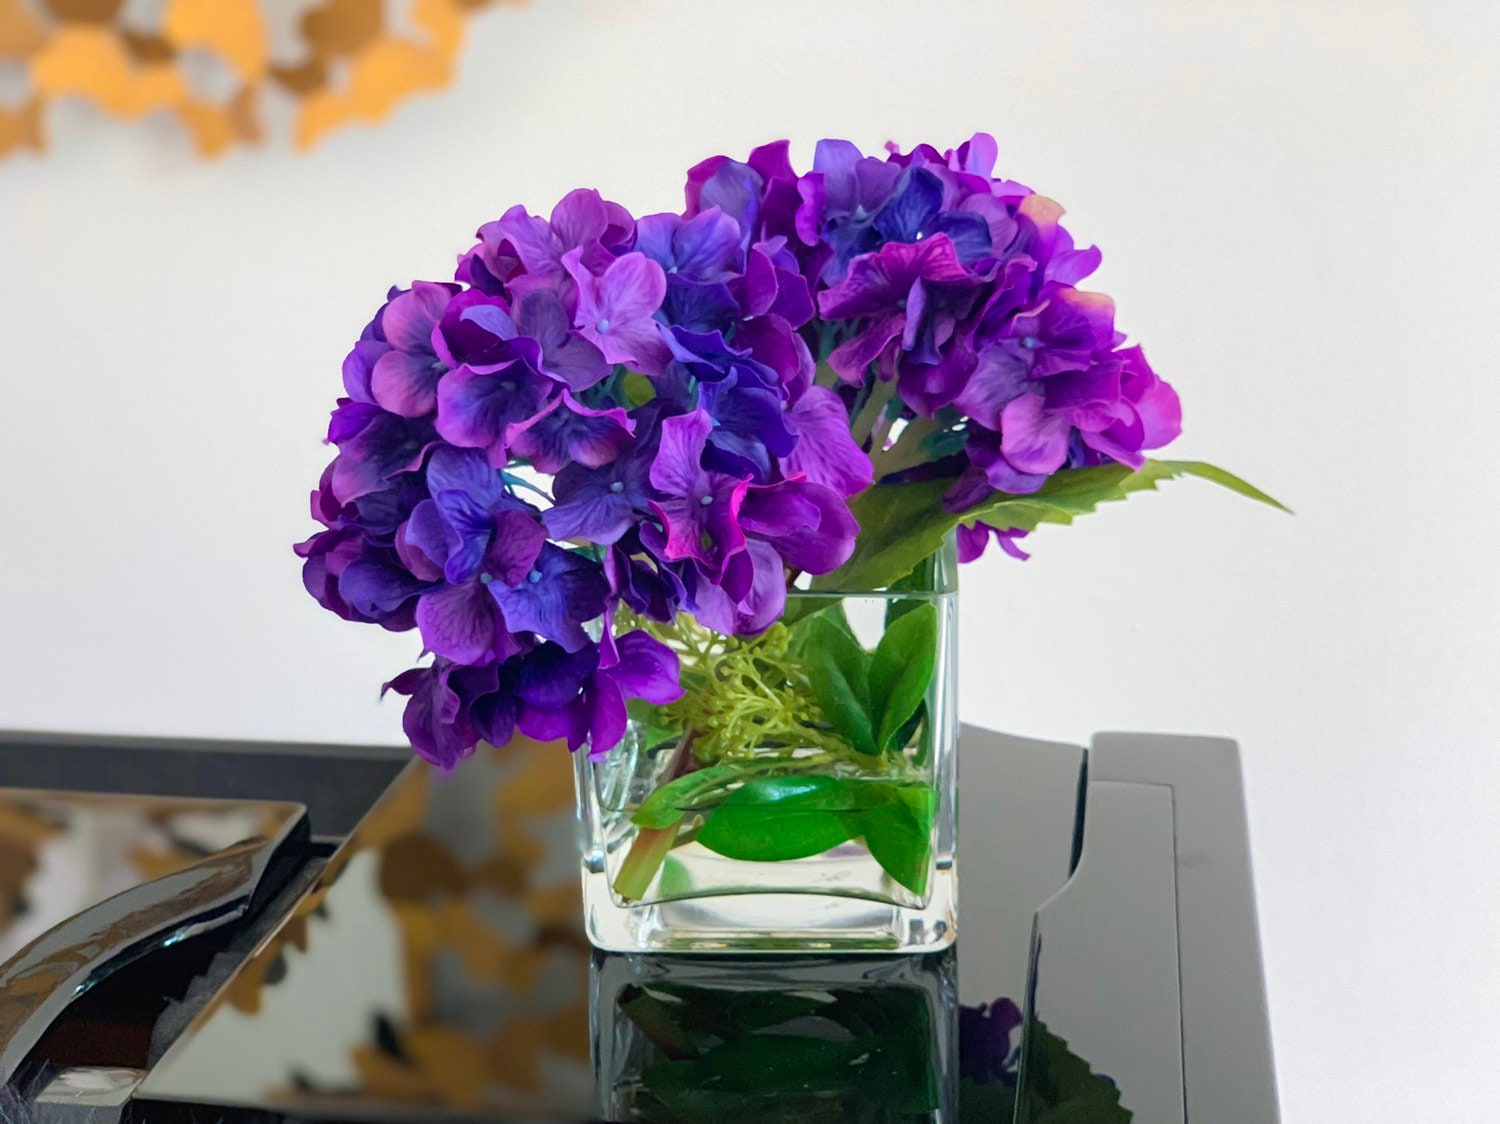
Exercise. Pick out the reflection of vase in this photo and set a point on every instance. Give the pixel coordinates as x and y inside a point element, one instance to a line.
<point>800,797</point>
<point>799,1039</point>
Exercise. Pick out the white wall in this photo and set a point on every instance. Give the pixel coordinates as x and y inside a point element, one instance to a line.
<point>1296,203</point>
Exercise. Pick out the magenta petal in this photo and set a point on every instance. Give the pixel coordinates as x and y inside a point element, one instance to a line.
<point>459,623</point>
<point>513,550</point>
<point>567,431</point>
<point>579,218</point>
<point>1034,440</point>
<point>408,320</point>
<point>677,469</point>
<point>406,384</point>
<point>999,377</point>
<point>851,358</point>
<point>825,452</point>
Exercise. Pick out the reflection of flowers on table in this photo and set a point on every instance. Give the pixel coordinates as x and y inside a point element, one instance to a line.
<point>1058,1088</point>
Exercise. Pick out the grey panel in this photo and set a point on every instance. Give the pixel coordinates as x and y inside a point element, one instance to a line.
<point>1016,833</point>
<point>1105,971</point>
<point>1230,1074</point>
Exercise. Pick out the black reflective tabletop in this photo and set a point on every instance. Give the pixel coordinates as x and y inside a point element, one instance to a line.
<point>435,968</point>
<point>439,969</point>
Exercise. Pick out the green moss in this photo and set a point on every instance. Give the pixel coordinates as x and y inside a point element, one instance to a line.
<point>742,694</point>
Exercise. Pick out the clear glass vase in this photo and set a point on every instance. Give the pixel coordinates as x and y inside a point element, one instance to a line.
<point>801,797</point>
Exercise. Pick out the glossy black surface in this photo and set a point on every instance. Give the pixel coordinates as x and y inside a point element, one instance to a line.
<point>438,970</point>
<point>435,970</point>
<point>89,883</point>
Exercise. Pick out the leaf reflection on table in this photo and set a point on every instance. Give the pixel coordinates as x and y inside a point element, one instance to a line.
<point>1058,1087</point>
<point>775,1042</point>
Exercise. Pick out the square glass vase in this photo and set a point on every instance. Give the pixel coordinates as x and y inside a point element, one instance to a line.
<point>801,797</point>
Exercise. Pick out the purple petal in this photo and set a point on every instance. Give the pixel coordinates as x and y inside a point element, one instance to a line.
<point>565,355</point>
<point>476,328</point>
<point>851,358</point>
<point>358,366</point>
<point>1034,440</point>
<point>878,282</point>
<point>409,320</point>
<point>552,677</point>
<point>422,542</point>
<point>459,623</point>
<point>433,720</point>
<point>465,470</point>
<point>999,377</point>
<point>514,547</point>
<point>532,238</point>
<point>406,384</point>
<point>475,408</point>
<point>818,547</point>
<point>645,668</point>
<point>384,447</point>
<point>762,604</point>
<point>608,718</point>
<point>704,246</point>
<point>566,430</point>
<point>377,589</point>
<point>677,469</point>
<point>556,598</point>
<point>579,218</point>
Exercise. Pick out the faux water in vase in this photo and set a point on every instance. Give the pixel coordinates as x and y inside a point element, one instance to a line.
<point>801,795</point>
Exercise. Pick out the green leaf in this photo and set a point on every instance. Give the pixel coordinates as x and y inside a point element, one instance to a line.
<point>773,819</point>
<point>666,805</point>
<point>1225,479</point>
<point>901,524</point>
<point>901,671</point>
<point>838,670</point>
<point>898,832</point>
<point>637,389</point>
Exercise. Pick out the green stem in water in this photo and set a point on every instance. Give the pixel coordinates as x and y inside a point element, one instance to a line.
<point>647,853</point>
<point>649,848</point>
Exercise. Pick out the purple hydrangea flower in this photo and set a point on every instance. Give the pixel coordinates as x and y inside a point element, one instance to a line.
<point>673,414</point>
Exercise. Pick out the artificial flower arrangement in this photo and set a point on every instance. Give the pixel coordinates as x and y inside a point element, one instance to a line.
<point>683,492</point>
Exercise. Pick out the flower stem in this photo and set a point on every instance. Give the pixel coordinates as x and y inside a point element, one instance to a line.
<point>908,451</point>
<point>647,853</point>
<point>875,404</point>
<point>651,844</point>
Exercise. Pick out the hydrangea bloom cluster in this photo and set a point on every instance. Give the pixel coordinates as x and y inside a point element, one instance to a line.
<point>671,413</point>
